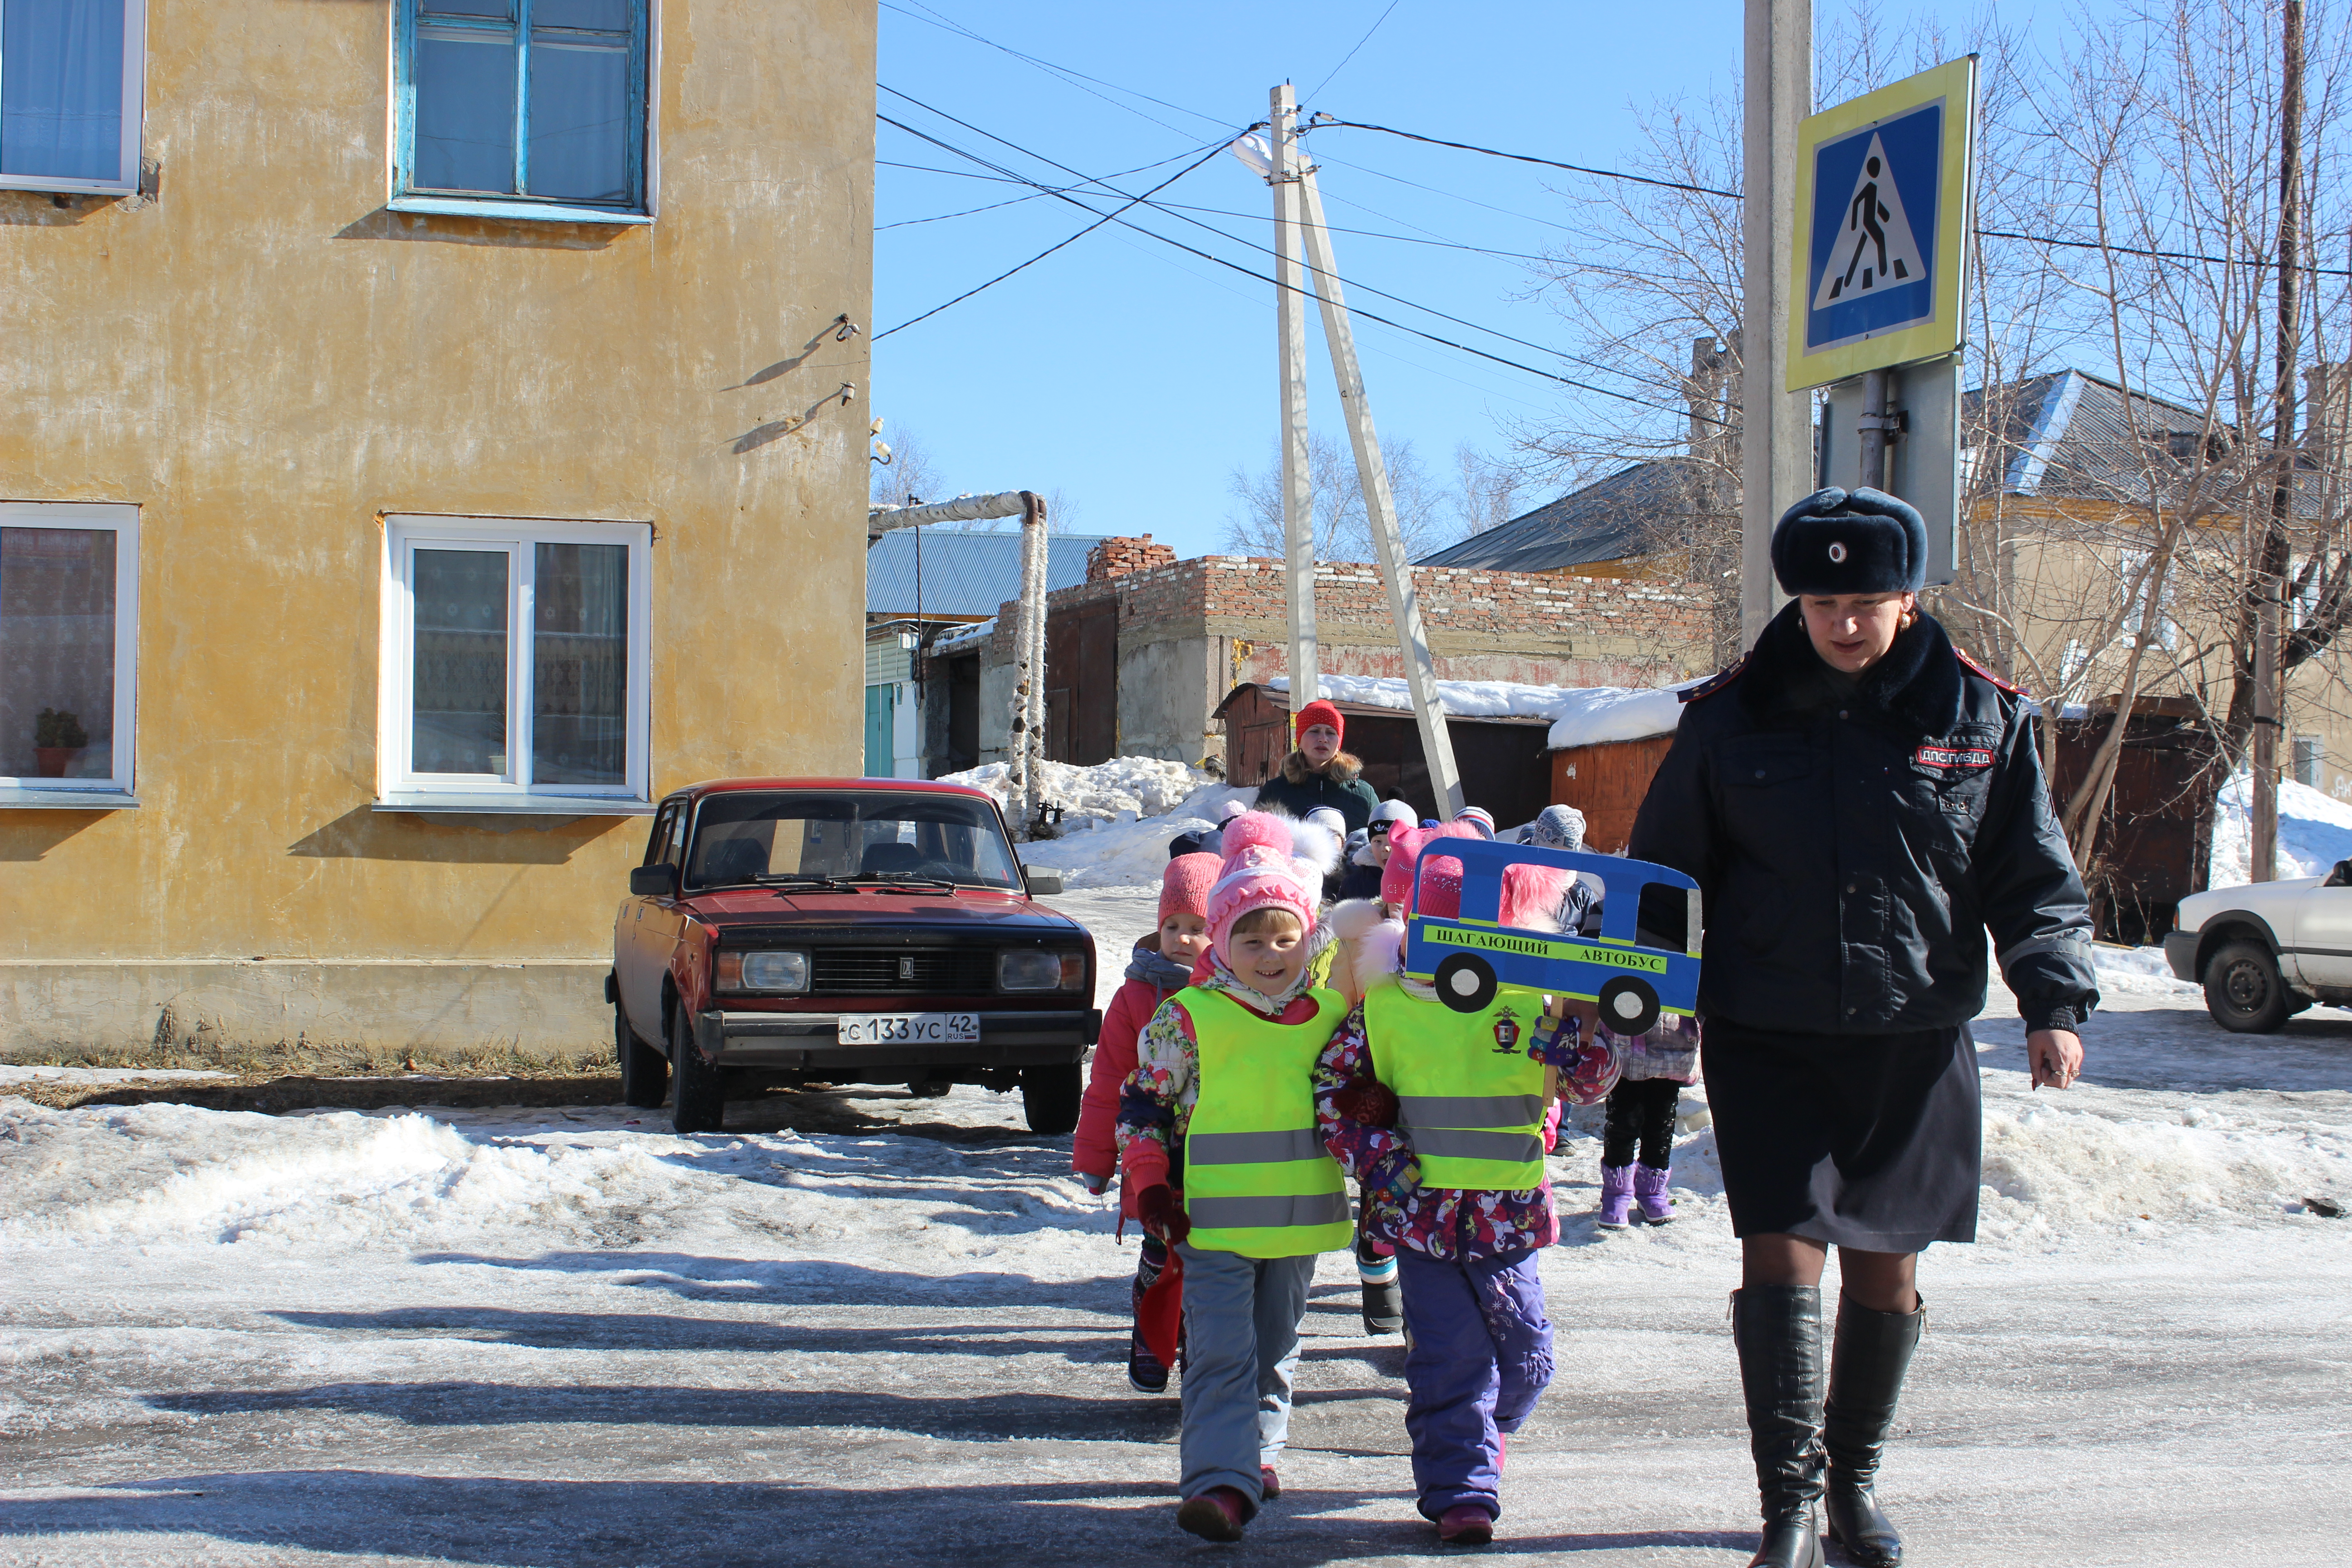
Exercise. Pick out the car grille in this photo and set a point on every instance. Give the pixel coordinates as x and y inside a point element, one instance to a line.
<point>875,972</point>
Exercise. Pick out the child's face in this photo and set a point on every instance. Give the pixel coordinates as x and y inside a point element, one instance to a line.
<point>1269,959</point>
<point>1380,842</point>
<point>1183,939</point>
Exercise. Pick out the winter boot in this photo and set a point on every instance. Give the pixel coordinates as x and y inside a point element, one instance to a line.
<point>1144,1373</point>
<point>1217,1514</point>
<point>1650,1192</point>
<point>1269,1485</point>
<point>1867,1361</point>
<point>1778,1329</point>
<point>1466,1524</point>
<point>1616,1196</point>
<point>1384,1298</point>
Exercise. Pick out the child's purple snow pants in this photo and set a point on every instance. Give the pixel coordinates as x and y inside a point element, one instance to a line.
<point>1480,1355</point>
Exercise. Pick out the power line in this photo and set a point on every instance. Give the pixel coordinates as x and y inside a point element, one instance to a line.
<point>1033,195</point>
<point>1322,119</point>
<point>1107,217</point>
<point>1232,265</point>
<point>1353,53</point>
<point>948,24</point>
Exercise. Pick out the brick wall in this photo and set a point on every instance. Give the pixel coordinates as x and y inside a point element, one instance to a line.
<point>1117,557</point>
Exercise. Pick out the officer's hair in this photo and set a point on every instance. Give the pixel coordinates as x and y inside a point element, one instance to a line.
<point>1265,917</point>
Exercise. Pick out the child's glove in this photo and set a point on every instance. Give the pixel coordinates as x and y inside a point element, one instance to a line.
<point>1394,1177</point>
<point>1591,1072</point>
<point>1161,1215</point>
<point>1369,1103</point>
<point>1094,1182</point>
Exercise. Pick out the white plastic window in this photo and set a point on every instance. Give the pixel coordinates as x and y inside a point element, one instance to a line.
<point>72,85</point>
<point>515,660</point>
<point>69,641</point>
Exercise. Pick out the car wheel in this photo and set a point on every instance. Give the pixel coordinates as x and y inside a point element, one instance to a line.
<point>1628,1006</point>
<point>2245,991</point>
<point>1050,1098</point>
<point>929,1088</point>
<point>644,1072</point>
<point>1464,983</point>
<point>698,1098</point>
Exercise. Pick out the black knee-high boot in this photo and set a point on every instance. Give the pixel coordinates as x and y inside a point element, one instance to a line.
<point>1778,1329</point>
<point>1868,1361</point>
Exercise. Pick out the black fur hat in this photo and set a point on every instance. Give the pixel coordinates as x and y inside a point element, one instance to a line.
<point>1864,543</point>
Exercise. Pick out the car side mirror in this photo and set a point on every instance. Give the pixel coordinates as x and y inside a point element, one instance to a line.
<point>1044,883</point>
<point>656,881</point>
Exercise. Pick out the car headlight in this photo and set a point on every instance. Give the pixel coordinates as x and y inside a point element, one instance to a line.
<point>1033,969</point>
<point>764,971</point>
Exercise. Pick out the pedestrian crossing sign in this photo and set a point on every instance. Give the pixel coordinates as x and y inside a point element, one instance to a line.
<point>1880,263</point>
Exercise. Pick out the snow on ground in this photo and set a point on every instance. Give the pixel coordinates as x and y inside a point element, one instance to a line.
<point>1121,789</point>
<point>11,1072</point>
<point>858,1325</point>
<point>2315,832</point>
<point>1116,816</point>
<point>1581,716</point>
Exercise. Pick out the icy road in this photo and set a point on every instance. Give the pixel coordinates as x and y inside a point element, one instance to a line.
<point>864,1329</point>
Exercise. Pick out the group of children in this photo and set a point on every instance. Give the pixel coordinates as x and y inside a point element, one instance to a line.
<point>1263,1053</point>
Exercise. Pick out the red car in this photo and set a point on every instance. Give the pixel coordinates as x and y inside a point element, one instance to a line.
<point>845,931</point>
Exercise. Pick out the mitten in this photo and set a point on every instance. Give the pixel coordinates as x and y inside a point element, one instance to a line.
<point>1161,1215</point>
<point>1393,1177</point>
<point>1094,1180</point>
<point>1368,1103</point>
<point>1592,1071</point>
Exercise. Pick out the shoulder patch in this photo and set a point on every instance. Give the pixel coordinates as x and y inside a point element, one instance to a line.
<point>1968,663</point>
<point>1713,683</point>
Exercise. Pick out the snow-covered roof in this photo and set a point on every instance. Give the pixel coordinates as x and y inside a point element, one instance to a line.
<point>1579,715</point>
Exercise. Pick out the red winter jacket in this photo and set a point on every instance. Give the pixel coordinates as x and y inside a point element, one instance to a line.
<point>1150,980</point>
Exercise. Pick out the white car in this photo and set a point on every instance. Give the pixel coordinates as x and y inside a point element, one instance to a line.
<point>2266,952</point>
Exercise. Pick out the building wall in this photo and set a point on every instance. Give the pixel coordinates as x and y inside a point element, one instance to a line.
<point>265,360</point>
<point>1190,632</point>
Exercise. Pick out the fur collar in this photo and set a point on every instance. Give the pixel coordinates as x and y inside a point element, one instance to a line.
<point>1342,769</point>
<point>1917,684</point>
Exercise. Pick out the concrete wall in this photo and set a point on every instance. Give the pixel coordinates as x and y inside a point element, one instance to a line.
<point>265,359</point>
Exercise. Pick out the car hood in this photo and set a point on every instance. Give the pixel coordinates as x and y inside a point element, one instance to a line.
<point>2256,898</point>
<point>984,914</point>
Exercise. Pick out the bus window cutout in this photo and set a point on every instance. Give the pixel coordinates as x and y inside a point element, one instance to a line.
<point>1467,957</point>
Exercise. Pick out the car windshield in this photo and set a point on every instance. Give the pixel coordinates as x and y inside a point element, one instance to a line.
<point>892,836</point>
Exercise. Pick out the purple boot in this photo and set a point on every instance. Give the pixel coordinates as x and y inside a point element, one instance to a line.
<point>1616,1196</point>
<point>1650,1191</point>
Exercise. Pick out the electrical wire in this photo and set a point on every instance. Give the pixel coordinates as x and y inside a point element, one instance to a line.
<point>1353,53</point>
<point>1042,190</point>
<point>948,24</point>
<point>1033,195</point>
<point>1322,119</point>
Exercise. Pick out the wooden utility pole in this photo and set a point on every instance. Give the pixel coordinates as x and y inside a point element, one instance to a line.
<point>1380,508</point>
<point>1290,320</point>
<point>1776,453</point>
<point>2271,567</point>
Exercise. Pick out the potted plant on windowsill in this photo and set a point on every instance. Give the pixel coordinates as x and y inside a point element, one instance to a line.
<point>58,740</point>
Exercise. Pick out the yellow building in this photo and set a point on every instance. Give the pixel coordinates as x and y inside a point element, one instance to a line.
<point>435,428</point>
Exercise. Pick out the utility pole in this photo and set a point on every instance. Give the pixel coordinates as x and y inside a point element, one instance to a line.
<point>2270,570</point>
<point>1380,507</point>
<point>1776,458</point>
<point>1290,318</point>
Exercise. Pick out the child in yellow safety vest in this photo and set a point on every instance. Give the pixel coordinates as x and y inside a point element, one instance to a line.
<point>1220,1106</point>
<point>1440,1115</point>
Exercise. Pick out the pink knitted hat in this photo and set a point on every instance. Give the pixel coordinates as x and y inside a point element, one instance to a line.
<point>1443,895</point>
<point>1184,885</point>
<point>1260,872</point>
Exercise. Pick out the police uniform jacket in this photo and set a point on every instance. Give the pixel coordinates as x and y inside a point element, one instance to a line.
<point>1854,841</point>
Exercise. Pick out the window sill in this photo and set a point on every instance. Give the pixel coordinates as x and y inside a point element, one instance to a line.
<point>447,803</point>
<point>515,212</point>
<point>17,797</point>
<point>47,185</point>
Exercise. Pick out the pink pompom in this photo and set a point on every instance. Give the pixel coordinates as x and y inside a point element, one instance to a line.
<point>1259,829</point>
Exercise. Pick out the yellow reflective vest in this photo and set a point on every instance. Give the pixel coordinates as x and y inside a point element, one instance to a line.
<point>1257,1180</point>
<point>1469,1097</point>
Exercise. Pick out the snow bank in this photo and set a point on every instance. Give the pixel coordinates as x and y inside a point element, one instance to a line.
<point>11,1073</point>
<point>1116,816</point>
<point>2137,970</point>
<point>1580,715</point>
<point>2315,832</point>
<point>1123,788</point>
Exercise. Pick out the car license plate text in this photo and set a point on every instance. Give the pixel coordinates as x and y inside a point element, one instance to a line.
<point>909,1028</point>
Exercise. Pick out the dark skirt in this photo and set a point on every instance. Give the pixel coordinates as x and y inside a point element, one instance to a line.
<point>1874,1142</point>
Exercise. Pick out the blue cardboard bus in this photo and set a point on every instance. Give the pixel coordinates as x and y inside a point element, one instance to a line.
<point>1467,957</point>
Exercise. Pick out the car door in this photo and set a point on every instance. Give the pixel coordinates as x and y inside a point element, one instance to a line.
<point>2319,929</point>
<point>648,932</point>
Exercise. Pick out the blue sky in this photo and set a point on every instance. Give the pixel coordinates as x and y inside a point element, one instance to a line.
<point>1132,377</point>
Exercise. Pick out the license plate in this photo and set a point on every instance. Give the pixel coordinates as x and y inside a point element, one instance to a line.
<point>910,1029</point>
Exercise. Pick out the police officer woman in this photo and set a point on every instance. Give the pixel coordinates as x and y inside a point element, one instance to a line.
<point>1860,804</point>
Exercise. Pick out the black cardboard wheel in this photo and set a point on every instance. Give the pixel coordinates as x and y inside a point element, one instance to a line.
<point>1464,983</point>
<point>1628,1006</point>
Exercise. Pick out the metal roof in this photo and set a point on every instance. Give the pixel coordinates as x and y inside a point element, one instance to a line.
<point>1605,521</point>
<point>964,573</point>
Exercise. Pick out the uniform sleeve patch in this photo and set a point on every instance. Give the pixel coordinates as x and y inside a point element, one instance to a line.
<point>1953,757</point>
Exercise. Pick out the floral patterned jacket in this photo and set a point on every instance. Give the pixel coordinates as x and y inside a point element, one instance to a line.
<point>1443,1222</point>
<point>1155,1104</point>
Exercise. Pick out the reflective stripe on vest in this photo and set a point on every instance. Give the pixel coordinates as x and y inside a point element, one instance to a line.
<point>1257,1181</point>
<point>1472,1108</point>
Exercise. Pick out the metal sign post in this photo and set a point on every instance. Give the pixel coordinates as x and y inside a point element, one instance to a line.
<point>1913,419</point>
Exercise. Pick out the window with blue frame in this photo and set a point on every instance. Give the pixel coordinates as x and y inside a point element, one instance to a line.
<point>524,100</point>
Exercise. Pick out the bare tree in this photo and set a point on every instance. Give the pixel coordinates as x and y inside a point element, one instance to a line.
<point>1426,514</point>
<point>910,476</point>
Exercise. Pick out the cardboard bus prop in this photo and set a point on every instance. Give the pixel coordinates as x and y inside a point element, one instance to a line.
<point>1468,956</point>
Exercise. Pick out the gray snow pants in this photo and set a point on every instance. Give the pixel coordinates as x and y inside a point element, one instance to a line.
<point>1241,1344</point>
